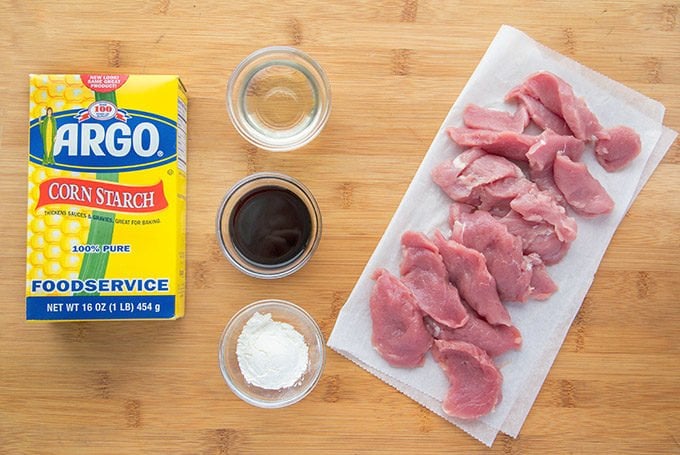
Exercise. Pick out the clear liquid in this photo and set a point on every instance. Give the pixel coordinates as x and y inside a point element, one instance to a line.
<point>279,100</point>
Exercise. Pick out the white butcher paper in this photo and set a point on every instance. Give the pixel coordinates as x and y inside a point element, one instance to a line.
<point>511,57</point>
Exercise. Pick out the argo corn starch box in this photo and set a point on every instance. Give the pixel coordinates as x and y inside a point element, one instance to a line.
<point>106,197</point>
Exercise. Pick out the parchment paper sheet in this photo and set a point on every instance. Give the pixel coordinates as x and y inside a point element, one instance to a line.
<point>511,57</point>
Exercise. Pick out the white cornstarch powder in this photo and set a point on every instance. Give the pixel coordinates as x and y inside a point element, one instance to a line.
<point>271,355</point>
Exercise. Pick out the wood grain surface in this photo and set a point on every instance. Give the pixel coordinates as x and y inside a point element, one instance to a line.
<point>396,67</point>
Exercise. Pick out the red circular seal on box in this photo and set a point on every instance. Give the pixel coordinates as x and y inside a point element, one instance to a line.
<point>103,83</point>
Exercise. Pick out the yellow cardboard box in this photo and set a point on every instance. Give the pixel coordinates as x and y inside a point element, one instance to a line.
<point>106,197</point>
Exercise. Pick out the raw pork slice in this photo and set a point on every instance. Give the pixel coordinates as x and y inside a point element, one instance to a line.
<point>475,382</point>
<point>542,285</point>
<point>537,206</point>
<point>542,154</point>
<point>503,251</point>
<point>468,272</point>
<point>490,119</point>
<point>537,237</point>
<point>496,197</point>
<point>461,177</point>
<point>617,147</point>
<point>545,181</point>
<point>504,143</point>
<point>399,333</point>
<point>446,174</point>
<point>581,190</point>
<point>540,115</point>
<point>423,271</point>
<point>494,339</point>
<point>558,96</point>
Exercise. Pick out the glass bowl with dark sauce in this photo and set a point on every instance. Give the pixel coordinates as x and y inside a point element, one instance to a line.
<point>268,225</point>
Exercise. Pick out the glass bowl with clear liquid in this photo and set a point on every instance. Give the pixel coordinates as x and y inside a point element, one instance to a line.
<point>278,98</point>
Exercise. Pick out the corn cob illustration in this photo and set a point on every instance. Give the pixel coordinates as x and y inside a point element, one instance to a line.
<point>51,238</point>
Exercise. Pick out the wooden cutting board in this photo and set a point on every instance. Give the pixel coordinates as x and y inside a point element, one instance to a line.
<point>395,67</point>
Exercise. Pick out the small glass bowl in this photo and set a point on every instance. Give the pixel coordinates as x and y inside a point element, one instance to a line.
<point>281,311</point>
<point>278,98</point>
<point>240,191</point>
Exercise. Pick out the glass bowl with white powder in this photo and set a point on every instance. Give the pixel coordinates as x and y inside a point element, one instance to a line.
<point>271,353</point>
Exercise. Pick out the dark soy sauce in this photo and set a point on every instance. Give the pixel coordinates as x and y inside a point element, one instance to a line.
<point>270,226</point>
